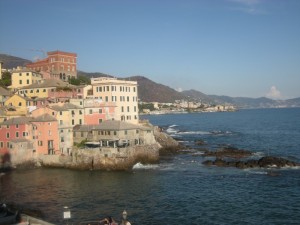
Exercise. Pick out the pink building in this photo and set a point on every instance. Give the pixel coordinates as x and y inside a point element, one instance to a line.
<point>15,129</point>
<point>96,111</point>
<point>47,137</point>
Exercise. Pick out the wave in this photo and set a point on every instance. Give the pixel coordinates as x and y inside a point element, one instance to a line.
<point>174,125</point>
<point>194,132</point>
<point>139,165</point>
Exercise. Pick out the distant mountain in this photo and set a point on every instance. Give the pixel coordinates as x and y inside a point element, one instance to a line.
<point>10,62</point>
<point>149,91</point>
<point>92,75</point>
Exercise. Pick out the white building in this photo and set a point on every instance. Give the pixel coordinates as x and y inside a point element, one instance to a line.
<point>121,92</point>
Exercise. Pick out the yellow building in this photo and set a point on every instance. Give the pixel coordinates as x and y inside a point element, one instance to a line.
<point>24,77</point>
<point>121,92</point>
<point>16,105</point>
<point>45,89</point>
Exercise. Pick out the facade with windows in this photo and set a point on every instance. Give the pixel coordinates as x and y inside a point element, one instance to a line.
<point>59,64</point>
<point>24,77</point>
<point>123,93</point>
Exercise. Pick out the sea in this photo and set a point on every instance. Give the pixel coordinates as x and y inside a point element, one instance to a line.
<point>179,189</point>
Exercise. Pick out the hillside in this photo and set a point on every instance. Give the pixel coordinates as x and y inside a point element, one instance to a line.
<point>10,62</point>
<point>149,91</point>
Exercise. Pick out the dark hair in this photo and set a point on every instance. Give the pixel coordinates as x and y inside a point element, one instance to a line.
<point>110,219</point>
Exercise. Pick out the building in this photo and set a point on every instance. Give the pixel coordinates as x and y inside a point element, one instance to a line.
<point>22,77</point>
<point>114,134</point>
<point>13,133</point>
<point>59,64</point>
<point>121,92</point>
<point>4,95</point>
<point>1,63</point>
<point>52,89</point>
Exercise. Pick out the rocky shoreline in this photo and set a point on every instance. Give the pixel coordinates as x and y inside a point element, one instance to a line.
<point>243,159</point>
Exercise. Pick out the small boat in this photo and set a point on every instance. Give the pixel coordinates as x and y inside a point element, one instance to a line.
<point>7,216</point>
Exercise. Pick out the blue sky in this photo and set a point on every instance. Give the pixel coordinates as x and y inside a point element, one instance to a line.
<point>245,48</point>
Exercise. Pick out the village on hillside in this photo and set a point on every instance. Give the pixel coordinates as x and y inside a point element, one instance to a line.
<point>44,117</point>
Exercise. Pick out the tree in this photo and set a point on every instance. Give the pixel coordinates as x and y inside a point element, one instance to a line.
<point>6,79</point>
<point>80,80</point>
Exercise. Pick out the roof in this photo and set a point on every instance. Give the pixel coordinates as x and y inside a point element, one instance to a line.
<point>44,118</point>
<point>4,92</point>
<point>49,83</point>
<point>64,107</point>
<point>113,125</point>
<point>17,120</point>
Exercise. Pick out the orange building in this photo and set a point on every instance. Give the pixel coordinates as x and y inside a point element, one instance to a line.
<point>61,65</point>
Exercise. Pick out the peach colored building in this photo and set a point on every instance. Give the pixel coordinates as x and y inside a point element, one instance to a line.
<point>65,128</point>
<point>47,137</point>
<point>62,65</point>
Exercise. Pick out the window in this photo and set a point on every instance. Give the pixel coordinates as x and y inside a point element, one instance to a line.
<point>7,144</point>
<point>1,144</point>
<point>17,134</point>
<point>127,98</point>
<point>61,131</point>
<point>81,133</point>
<point>7,135</point>
<point>80,121</point>
<point>128,109</point>
<point>100,121</point>
<point>20,74</point>
<point>137,131</point>
<point>100,110</point>
<point>115,132</point>
<point>73,122</point>
<point>40,143</point>
<point>27,81</point>
<point>125,132</point>
<point>53,113</point>
<point>62,139</point>
<point>106,98</point>
<point>49,132</point>
<point>107,87</point>
<point>80,112</point>
<point>60,113</point>
<point>38,90</point>
<point>25,134</point>
<point>122,109</point>
<point>27,74</point>
<point>44,90</point>
<point>20,103</point>
<point>61,122</point>
<point>20,81</point>
<point>133,89</point>
<point>17,126</point>
<point>134,108</point>
<point>91,111</point>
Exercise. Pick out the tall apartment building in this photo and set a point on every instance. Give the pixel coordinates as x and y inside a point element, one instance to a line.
<point>121,92</point>
<point>59,64</point>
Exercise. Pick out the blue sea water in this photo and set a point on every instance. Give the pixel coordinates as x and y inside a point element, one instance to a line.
<point>180,189</point>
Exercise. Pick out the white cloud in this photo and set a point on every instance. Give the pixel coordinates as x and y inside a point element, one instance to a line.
<point>274,93</point>
<point>179,89</point>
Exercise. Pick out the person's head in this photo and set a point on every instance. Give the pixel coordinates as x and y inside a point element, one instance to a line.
<point>109,219</point>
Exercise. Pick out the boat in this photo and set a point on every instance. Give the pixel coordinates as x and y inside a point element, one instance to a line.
<point>8,216</point>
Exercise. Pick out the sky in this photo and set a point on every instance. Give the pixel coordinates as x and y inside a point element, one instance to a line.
<point>237,48</point>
